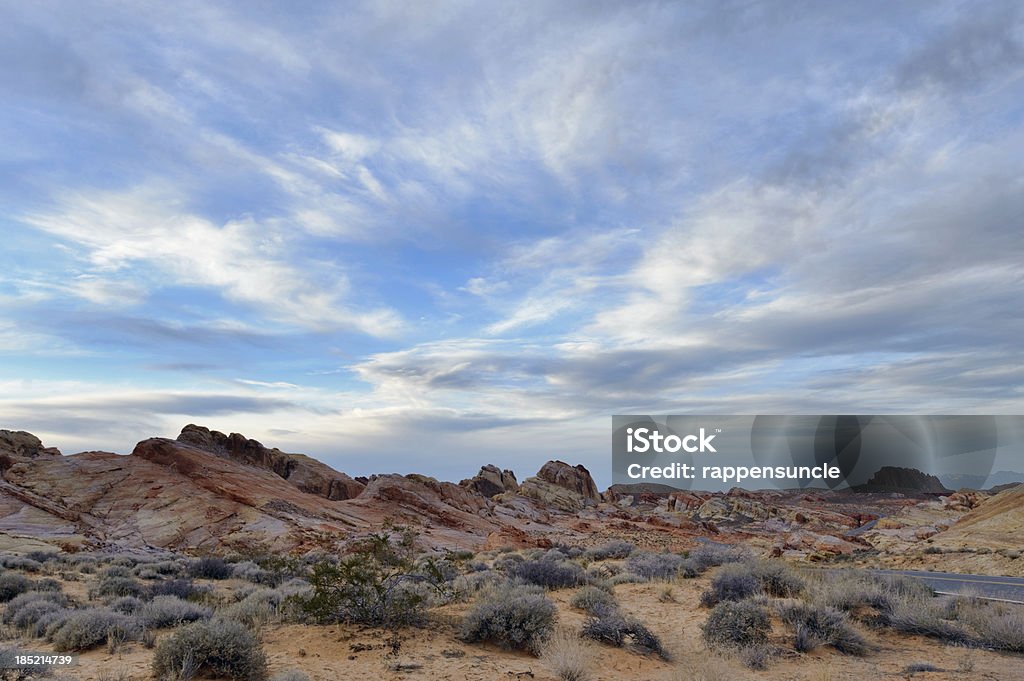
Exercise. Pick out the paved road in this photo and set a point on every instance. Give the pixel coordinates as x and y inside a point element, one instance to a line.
<point>1005,588</point>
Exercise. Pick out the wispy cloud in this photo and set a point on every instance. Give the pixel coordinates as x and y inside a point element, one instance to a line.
<point>430,228</point>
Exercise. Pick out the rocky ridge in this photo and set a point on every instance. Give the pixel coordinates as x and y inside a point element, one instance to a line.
<point>207,491</point>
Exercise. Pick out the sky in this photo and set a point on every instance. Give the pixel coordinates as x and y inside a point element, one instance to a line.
<point>428,236</point>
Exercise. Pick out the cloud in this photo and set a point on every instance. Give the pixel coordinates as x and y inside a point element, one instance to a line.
<point>243,259</point>
<point>441,233</point>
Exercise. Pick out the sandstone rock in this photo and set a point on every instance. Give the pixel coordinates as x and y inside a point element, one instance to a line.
<point>559,485</point>
<point>492,481</point>
<point>686,502</point>
<point>308,474</point>
<point>21,445</point>
<point>573,478</point>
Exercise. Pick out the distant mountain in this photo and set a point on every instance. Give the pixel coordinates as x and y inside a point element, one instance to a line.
<point>999,479</point>
<point>903,480</point>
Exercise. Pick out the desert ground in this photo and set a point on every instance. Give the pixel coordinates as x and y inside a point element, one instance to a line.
<point>213,556</point>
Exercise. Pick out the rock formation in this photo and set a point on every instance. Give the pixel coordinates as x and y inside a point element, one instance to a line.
<point>308,474</point>
<point>562,486</point>
<point>17,444</point>
<point>903,480</point>
<point>492,481</point>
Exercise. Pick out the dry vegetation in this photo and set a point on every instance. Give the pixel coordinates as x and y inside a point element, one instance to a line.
<point>384,609</point>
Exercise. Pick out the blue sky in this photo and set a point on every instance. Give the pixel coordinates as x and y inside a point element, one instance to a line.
<point>428,236</point>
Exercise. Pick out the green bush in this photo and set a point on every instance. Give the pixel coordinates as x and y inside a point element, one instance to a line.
<point>374,585</point>
<point>511,618</point>
<point>737,624</point>
<point>217,648</point>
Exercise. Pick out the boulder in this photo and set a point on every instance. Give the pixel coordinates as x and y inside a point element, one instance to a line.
<point>21,445</point>
<point>561,486</point>
<point>491,481</point>
<point>574,478</point>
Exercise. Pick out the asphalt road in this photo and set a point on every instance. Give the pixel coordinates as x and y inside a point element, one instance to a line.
<point>1003,588</point>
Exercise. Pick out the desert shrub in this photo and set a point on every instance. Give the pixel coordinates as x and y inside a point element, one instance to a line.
<point>617,549</point>
<point>126,605</point>
<point>918,616</point>
<point>251,572</point>
<point>777,579</point>
<point>26,617</point>
<point>815,625</point>
<point>737,624</point>
<point>467,585</point>
<point>507,562</point>
<point>593,601</point>
<point>170,611</point>
<point>48,623</point>
<point>182,588</point>
<point>568,657</point>
<point>510,618</point>
<point>47,584</point>
<point>255,610</point>
<point>371,585</point>
<point>116,586</point>
<point>12,585</point>
<point>549,573</point>
<point>732,583</point>
<point>1000,627</point>
<point>42,556</point>
<point>919,667</point>
<point>655,565</point>
<point>218,648</point>
<point>755,656</point>
<point>10,670</point>
<point>210,567</point>
<point>29,597</point>
<point>626,578</point>
<point>710,555</point>
<point>115,571</point>
<point>611,627</point>
<point>871,598</point>
<point>20,563</point>
<point>165,568</point>
<point>359,589</point>
<point>89,628</point>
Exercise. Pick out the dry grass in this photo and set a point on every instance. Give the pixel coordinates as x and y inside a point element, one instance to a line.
<point>705,666</point>
<point>568,656</point>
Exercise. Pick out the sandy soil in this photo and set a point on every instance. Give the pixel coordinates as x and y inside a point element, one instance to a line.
<point>328,653</point>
